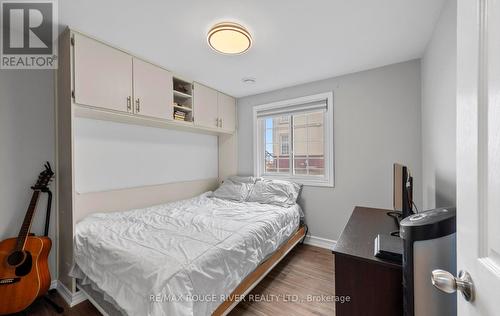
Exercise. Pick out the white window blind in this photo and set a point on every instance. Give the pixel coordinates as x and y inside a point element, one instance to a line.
<point>320,104</point>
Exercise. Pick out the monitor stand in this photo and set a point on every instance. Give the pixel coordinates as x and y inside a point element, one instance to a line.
<point>398,216</point>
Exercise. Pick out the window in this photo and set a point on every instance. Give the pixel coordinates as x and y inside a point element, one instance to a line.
<point>284,145</point>
<point>276,140</point>
<point>284,119</point>
<point>293,140</point>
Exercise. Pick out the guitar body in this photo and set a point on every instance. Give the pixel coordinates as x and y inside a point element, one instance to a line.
<point>21,285</point>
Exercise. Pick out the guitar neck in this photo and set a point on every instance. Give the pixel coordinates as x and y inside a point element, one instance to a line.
<point>28,218</point>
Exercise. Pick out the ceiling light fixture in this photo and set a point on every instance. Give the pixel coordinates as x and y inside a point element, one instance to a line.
<point>229,38</point>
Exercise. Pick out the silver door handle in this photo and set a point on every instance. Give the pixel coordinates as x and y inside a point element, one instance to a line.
<point>446,282</point>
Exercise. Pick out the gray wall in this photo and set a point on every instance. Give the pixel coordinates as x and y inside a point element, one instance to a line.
<point>376,122</point>
<point>439,112</point>
<point>26,142</point>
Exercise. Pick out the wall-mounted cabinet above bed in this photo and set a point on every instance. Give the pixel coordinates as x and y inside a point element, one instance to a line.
<point>102,75</point>
<point>227,112</point>
<point>108,78</point>
<point>205,106</point>
<point>110,84</point>
<point>152,90</point>
<point>214,109</point>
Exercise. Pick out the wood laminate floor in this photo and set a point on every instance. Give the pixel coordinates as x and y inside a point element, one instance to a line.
<point>301,284</point>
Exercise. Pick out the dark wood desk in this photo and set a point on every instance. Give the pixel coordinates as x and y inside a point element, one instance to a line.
<point>373,285</point>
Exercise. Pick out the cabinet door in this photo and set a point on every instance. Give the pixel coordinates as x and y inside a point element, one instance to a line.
<point>153,94</point>
<point>205,106</point>
<point>103,75</point>
<point>227,112</point>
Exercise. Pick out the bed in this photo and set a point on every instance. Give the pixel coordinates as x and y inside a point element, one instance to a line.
<point>191,257</point>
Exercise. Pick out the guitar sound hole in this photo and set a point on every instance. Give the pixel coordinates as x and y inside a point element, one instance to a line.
<point>25,267</point>
<point>16,258</point>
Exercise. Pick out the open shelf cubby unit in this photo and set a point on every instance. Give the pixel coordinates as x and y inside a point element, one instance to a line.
<point>183,100</point>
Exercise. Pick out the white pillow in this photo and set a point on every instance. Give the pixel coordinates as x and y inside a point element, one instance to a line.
<point>234,189</point>
<point>277,192</point>
<point>243,179</point>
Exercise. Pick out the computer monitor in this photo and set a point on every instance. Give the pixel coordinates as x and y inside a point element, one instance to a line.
<point>402,190</point>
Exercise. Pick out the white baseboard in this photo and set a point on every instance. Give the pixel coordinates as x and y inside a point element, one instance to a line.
<point>71,299</point>
<point>320,242</point>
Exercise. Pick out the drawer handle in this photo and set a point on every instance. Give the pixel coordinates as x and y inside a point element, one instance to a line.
<point>138,105</point>
<point>129,104</point>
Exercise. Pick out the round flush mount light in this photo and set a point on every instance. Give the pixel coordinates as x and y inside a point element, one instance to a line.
<point>229,38</point>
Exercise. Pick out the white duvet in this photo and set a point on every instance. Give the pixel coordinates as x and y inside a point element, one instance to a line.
<point>181,258</point>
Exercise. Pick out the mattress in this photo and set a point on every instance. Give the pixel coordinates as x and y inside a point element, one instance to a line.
<point>180,258</point>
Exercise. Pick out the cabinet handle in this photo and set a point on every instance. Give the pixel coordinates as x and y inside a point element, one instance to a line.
<point>138,105</point>
<point>217,122</point>
<point>129,104</point>
<point>221,122</point>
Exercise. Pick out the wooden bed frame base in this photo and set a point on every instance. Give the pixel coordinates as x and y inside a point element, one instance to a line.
<point>258,274</point>
<point>248,283</point>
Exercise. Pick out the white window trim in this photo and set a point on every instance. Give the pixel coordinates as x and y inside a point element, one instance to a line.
<point>258,146</point>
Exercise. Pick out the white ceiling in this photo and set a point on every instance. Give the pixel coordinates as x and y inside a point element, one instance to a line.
<point>295,41</point>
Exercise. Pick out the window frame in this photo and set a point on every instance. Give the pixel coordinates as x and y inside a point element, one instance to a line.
<point>328,138</point>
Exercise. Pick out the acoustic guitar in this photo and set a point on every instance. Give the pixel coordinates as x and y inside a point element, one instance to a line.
<point>24,269</point>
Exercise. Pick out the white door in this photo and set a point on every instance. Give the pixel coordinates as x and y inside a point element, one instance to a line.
<point>478,153</point>
<point>103,75</point>
<point>153,95</point>
<point>205,106</point>
<point>227,112</point>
